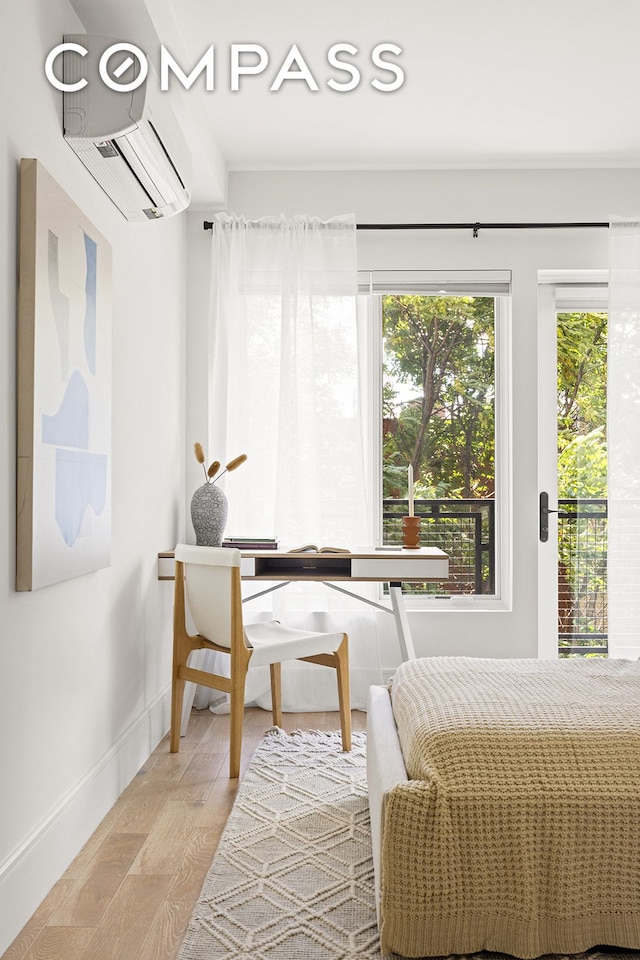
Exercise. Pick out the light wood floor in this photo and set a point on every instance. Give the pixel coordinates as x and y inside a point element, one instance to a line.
<point>130,892</point>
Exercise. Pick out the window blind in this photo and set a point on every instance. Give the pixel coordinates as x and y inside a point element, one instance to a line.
<point>478,283</point>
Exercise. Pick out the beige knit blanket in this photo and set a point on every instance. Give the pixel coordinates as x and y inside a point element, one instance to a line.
<point>519,828</point>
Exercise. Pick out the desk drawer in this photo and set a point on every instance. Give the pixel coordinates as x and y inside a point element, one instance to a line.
<point>399,568</point>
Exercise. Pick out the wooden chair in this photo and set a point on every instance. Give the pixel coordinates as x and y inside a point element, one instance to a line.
<point>208,581</point>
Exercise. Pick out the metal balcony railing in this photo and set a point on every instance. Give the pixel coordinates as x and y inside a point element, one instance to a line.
<point>582,576</point>
<point>465,530</point>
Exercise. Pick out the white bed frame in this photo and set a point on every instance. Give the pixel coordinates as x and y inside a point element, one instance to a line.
<point>385,768</point>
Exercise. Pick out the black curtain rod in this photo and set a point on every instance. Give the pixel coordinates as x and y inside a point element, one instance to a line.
<point>475,227</point>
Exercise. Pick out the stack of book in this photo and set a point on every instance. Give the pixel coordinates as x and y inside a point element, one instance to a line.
<point>252,543</point>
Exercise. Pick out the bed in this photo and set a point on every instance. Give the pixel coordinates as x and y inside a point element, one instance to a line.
<point>505,805</point>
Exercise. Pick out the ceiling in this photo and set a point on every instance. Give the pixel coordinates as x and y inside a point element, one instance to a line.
<point>488,83</point>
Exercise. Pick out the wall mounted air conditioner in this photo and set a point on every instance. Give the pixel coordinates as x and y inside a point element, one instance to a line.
<point>129,141</point>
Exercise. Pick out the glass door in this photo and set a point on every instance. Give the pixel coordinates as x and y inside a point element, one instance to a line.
<point>573,472</point>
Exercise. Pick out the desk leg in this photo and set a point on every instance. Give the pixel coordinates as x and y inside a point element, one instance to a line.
<point>402,623</point>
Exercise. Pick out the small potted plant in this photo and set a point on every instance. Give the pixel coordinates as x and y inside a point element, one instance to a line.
<point>209,506</point>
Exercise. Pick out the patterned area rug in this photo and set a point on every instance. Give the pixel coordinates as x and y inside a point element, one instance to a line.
<point>292,878</point>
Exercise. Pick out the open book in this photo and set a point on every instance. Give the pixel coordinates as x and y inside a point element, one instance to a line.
<point>312,548</point>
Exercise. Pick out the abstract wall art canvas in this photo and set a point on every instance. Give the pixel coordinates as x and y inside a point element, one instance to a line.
<point>64,387</point>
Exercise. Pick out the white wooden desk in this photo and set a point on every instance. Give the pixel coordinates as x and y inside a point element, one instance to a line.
<point>388,565</point>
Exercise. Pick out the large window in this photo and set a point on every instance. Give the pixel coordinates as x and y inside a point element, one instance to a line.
<point>438,395</point>
<point>443,391</point>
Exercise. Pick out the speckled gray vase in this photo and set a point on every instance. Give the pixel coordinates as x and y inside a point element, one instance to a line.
<point>209,508</point>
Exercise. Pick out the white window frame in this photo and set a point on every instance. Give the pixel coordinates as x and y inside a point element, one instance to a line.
<point>455,283</point>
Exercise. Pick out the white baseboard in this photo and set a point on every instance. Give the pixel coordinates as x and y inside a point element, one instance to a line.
<point>27,876</point>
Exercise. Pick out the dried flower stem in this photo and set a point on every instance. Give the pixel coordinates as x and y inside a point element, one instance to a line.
<point>210,474</point>
<point>199,454</point>
<point>234,464</point>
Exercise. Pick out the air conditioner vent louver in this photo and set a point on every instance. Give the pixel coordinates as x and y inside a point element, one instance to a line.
<point>166,153</point>
<point>134,174</point>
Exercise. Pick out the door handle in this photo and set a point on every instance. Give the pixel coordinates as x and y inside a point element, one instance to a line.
<point>544,516</point>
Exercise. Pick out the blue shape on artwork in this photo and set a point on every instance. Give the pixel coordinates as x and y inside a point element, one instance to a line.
<point>91,251</point>
<point>81,483</point>
<point>59,303</point>
<point>69,427</point>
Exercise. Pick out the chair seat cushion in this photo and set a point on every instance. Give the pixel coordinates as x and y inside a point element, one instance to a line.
<point>273,643</point>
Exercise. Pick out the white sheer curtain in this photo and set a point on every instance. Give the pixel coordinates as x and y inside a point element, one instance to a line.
<point>285,388</point>
<point>623,439</point>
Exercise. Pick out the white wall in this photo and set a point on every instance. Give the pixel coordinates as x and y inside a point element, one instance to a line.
<point>85,664</point>
<point>457,196</point>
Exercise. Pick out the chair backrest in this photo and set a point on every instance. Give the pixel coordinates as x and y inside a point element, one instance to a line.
<point>208,585</point>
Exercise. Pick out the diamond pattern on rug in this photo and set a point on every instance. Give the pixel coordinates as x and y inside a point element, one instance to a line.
<point>292,878</point>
